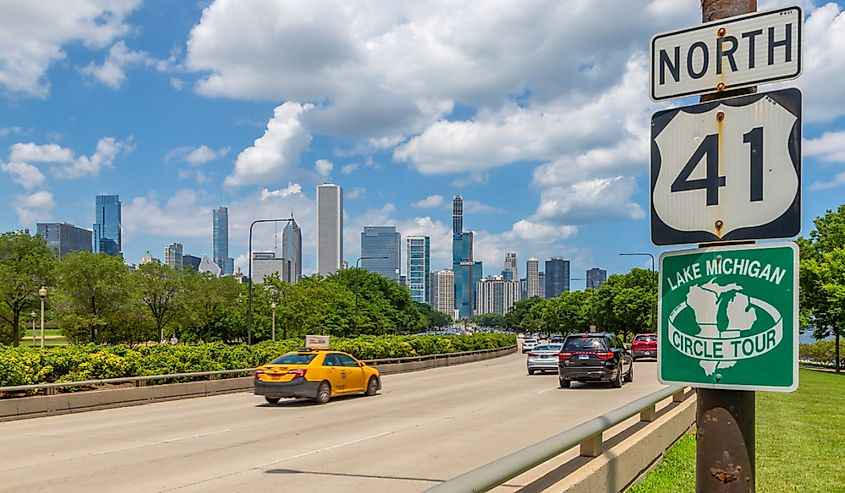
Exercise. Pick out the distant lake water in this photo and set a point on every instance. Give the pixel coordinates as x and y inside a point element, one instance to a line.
<point>807,338</point>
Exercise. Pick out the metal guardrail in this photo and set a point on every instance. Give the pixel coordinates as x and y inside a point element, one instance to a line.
<point>588,435</point>
<point>139,381</point>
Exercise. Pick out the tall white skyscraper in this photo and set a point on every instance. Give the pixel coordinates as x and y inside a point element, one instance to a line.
<point>329,228</point>
<point>292,250</point>
<point>173,255</point>
<point>532,276</point>
<point>495,295</point>
<point>511,270</point>
<point>443,291</point>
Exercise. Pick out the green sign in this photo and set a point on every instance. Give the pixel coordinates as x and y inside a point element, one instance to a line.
<point>729,317</point>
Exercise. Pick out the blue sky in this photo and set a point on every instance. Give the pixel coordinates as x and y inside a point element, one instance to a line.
<point>536,112</point>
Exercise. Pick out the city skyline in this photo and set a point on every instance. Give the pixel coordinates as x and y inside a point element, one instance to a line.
<point>191,136</point>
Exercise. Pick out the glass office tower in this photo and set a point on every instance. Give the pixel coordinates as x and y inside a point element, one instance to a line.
<point>107,237</point>
<point>419,267</point>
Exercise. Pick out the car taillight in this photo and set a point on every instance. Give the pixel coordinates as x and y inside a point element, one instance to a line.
<point>607,355</point>
<point>297,373</point>
<point>564,355</point>
<point>531,355</point>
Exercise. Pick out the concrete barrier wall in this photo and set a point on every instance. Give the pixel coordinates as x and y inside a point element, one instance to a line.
<point>50,405</point>
<point>619,467</point>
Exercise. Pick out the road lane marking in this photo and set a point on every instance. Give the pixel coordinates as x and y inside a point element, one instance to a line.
<point>285,459</point>
<point>547,390</point>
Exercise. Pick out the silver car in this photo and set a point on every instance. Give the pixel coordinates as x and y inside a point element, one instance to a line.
<point>543,358</point>
<point>528,344</point>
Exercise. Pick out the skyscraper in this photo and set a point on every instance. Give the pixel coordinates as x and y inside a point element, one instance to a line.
<point>220,239</point>
<point>596,277</point>
<point>496,295</point>
<point>511,271</point>
<point>64,238</point>
<point>265,264</point>
<point>419,267</point>
<point>532,276</point>
<point>173,255</point>
<point>381,248</point>
<point>467,271</point>
<point>292,249</point>
<point>329,228</point>
<point>557,276</point>
<point>107,234</point>
<point>443,292</point>
<point>191,261</point>
<point>541,278</point>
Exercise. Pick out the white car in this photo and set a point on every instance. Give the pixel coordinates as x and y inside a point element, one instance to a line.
<point>528,345</point>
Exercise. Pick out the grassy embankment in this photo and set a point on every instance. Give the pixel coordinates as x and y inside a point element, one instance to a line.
<point>799,442</point>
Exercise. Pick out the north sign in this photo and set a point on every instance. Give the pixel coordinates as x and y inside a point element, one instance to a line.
<point>727,54</point>
<point>729,317</point>
<point>727,170</point>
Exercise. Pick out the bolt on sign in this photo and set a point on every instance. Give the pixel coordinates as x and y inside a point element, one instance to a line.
<point>727,169</point>
<point>736,52</point>
<point>729,317</point>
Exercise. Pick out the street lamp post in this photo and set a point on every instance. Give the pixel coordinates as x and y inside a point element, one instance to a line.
<point>33,328</point>
<point>43,294</point>
<point>249,287</point>
<point>273,309</point>
<point>653,282</point>
<point>358,265</point>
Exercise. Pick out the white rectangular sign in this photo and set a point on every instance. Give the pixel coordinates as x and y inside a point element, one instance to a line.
<point>727,54</point>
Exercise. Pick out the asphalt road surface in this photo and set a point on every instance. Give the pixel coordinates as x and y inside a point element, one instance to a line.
<point>422,428</point>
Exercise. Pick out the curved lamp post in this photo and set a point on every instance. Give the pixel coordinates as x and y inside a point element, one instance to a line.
<point>43,294</point>
<point>273,309</point>
<point>653,282</point>
<point>249,288</point>
<point>358,265</point>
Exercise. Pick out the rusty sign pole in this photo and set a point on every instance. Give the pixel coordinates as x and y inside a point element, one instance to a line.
<point>725,419</point>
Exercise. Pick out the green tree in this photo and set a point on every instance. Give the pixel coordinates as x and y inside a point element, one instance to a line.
<point>93,302</point>
<point>159,287</point>
<point>212,309</point>
<point>433,318</point>
<point>822,278</point>
<point>488,320</point>
<point>523,316</point>
<point>26,264</point>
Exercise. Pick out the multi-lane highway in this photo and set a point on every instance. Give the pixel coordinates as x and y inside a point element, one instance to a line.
<point>423,428</point>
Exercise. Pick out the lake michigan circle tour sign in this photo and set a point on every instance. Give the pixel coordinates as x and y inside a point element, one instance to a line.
<point>729,317</point>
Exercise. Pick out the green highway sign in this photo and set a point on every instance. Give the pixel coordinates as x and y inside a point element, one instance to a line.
<point>729,317</point>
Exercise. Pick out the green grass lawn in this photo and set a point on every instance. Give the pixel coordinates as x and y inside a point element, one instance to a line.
<point>52,337</point>
<point>800,439</point>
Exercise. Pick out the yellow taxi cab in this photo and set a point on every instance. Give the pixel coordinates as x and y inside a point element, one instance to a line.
<point>315,374</point>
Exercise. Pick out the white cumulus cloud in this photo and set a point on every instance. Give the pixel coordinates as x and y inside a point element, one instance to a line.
<point>196,155</point>
<point>275,155</point>
<point>291,189</point>
<point>33,207</point>
<point>430,202</point>
<point>324,168</point>
<point>25,175</point>
<point>829,147</point>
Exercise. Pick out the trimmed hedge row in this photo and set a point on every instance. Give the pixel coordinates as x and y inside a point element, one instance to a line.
<point>28,366</point>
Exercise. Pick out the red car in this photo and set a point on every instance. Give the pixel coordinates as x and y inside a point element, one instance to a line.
<point>644,346</point>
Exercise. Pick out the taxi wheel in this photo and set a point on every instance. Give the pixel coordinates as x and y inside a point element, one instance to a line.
<point>324,393</point>
<point>372,386</point>
<point>273,400</point>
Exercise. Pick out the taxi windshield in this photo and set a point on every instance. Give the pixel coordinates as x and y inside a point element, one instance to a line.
<point>294,359</point>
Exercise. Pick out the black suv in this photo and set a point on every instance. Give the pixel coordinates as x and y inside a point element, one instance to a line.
<point>594,357</point>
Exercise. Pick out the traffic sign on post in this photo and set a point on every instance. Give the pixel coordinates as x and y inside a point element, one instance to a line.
<point>727,170</point>
<point>727,54</point>
<point>729,317</point>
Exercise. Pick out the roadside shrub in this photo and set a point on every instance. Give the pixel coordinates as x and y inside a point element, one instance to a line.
<point>26,366</point>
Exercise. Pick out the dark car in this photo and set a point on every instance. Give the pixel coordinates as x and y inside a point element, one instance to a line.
<point>594,357</point>
<point>644,346</point>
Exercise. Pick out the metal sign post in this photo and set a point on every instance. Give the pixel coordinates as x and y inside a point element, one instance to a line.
<point>723,174</point>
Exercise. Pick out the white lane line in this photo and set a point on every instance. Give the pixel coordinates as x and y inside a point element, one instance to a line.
<point>547,390</point>
<point>285,459</point>
<point>197,436</point>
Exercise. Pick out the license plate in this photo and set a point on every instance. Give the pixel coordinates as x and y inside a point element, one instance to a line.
<point>583,356</point>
